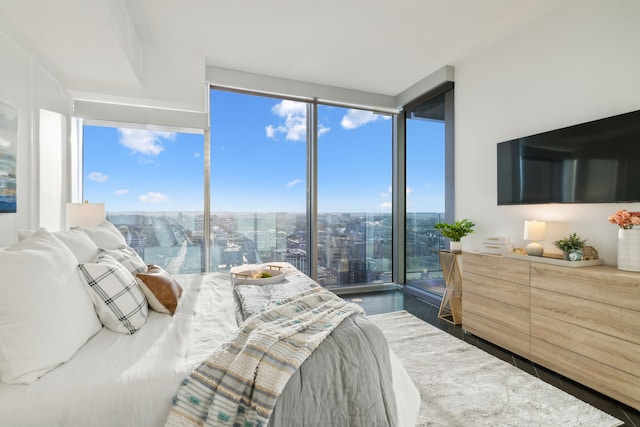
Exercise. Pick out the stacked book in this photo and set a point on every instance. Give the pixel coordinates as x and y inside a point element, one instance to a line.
<point>497,245</point>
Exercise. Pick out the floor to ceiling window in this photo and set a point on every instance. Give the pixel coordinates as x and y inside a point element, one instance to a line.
<point>290,180</point>
<point>354,196</point>
<point>152,184</point>
<point>428,125</point>
<point>258,180</point>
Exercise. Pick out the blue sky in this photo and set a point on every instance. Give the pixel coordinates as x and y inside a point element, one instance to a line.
<point>258,161</point>
<point>141,170</point>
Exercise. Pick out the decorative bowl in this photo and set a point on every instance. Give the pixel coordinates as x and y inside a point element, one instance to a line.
<point>258,276</point>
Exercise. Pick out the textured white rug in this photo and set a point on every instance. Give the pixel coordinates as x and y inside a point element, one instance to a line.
<point>463,386</point>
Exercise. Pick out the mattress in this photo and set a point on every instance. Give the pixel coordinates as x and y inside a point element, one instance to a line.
<point>130,380</point>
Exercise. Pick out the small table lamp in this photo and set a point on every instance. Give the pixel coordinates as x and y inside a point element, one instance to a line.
<point>534,230</point>
<point>85,214</point>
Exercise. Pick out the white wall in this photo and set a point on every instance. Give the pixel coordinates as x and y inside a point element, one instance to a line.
<point>26,85</point>
<point>580,63</point>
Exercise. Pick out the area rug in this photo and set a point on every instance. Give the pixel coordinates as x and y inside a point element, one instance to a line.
<point>462,385</point>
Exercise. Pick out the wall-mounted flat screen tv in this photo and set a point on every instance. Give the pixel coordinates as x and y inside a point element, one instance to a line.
<point>594,162</point>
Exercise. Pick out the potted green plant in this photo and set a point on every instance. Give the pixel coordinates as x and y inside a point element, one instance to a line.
<point>456,231</point>
<point>571,243</point>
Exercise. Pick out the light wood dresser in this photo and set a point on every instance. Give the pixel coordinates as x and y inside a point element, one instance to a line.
<point>583,323</point>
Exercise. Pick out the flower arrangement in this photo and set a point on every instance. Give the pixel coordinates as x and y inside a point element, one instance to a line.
<point>625,219</point>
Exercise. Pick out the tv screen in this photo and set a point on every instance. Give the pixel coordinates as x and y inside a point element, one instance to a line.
<point>594,162</point>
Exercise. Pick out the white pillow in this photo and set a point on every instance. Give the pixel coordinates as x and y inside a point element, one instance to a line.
<point>128,257</point>
<point>119,302</point>
<point>105,235</point>
<point>84,249</point>
<point>45,312</point>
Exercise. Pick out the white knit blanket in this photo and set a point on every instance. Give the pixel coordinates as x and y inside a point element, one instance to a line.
<point>241,381</point>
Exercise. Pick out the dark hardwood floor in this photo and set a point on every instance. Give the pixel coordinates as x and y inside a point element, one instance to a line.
<point>388,301</point>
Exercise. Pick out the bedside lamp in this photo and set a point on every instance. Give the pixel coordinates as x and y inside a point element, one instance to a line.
<point>534,230</point>
<point>85,214</point>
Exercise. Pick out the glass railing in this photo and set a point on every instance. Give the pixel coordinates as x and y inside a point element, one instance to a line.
<point>173,241</point>
<point>353,249</point>
<point>423,246</point>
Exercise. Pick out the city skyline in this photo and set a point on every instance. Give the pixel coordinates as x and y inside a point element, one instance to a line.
<point>350,248</point>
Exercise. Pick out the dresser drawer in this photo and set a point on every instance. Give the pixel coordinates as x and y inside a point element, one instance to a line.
<point>498,323</point>
<point>508,293</point>
<point>509,269</point>
<point>485,265</point>
<point>615,352</point>
<point>593,315</point>
<point>601,377</point>
<point>603,284</point>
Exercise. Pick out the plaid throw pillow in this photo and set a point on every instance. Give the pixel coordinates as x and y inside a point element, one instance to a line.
<point>128,257</point>
<point>119,302</point>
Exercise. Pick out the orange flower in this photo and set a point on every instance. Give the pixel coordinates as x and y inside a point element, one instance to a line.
<point>625,219</point>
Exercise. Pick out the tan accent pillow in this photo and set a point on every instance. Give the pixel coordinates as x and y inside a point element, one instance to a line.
<point>162,290</point>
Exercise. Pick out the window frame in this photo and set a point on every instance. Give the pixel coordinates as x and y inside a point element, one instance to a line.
<point>398,168</point>
<point>312,174</point>
<point>446,88</point>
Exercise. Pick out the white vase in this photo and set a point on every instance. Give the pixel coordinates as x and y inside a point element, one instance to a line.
<point>629,250</point>
<point>455,246</point>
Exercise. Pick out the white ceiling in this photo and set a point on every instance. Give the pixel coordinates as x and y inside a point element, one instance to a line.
<point>102,48</point>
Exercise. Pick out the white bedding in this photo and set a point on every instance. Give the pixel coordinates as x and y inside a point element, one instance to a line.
<point>130,380</point>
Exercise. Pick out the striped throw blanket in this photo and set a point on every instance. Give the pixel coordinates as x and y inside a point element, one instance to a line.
<point>238,385</point>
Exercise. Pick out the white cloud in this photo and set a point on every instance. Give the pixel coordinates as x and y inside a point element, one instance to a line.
<point>98,177</point>
<point>271,131</point>
<point>121,192</point>
<point>294,124</point>
<point>287,107</point>
<point>356,118</point>
<point>386,194</point>
<point>293,183</point>
<point>143,141</point>
<point>152,197</point>
<point>322,130</point>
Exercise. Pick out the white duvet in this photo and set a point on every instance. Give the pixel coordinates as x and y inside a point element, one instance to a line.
<point>130,380</point>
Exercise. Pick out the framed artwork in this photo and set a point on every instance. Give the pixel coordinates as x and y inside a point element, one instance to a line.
<point>8,150</point>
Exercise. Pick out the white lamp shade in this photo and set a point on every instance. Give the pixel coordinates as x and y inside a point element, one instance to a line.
<point>85,214</point>
<point>535,230</point>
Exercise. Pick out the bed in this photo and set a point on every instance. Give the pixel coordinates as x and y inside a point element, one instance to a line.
<point>121,379</point>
